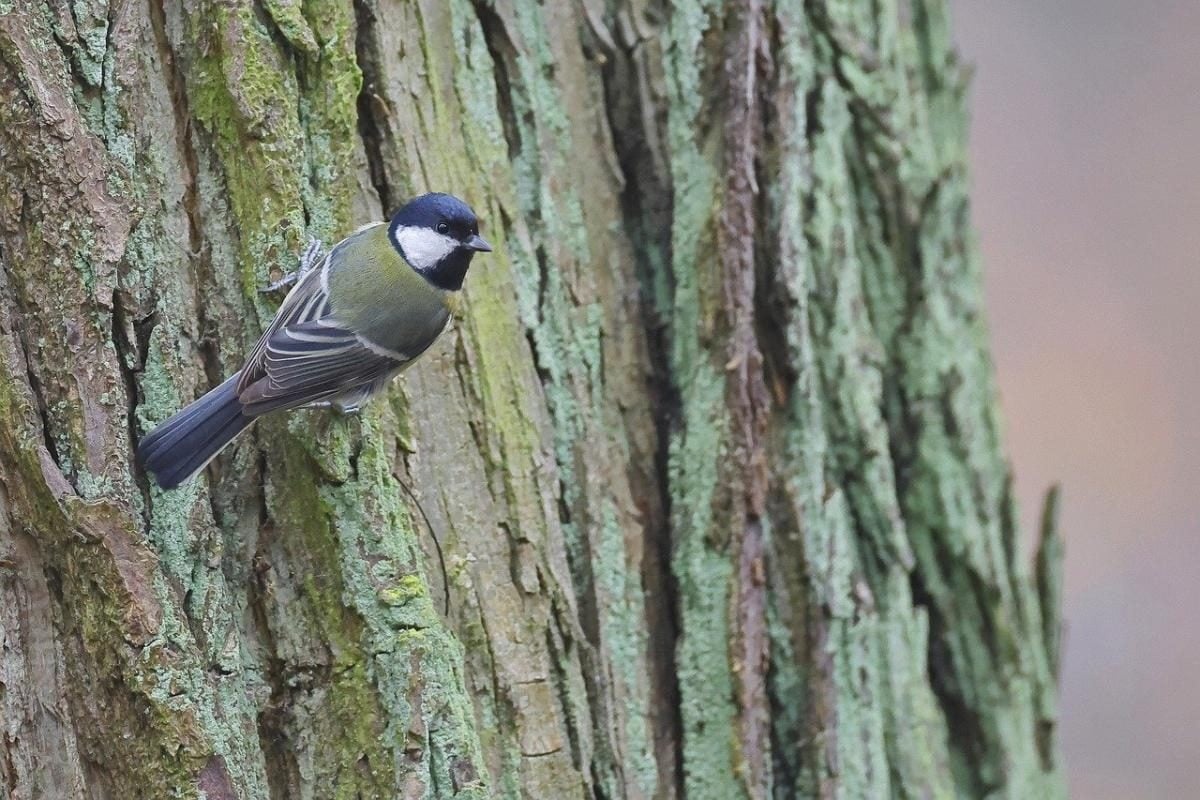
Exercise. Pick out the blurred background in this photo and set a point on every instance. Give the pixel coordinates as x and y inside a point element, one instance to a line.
<point>1085,149</point>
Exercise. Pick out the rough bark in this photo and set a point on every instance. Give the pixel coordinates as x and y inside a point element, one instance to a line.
<point>712,447</point>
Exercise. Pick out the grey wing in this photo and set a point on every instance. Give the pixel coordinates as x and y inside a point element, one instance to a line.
<point>306,301</point>
<point>315,361</point>
<point>305,356</point>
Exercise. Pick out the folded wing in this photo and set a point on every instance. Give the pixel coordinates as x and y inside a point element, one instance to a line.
<point>309,362</point>
<point>307,356</point>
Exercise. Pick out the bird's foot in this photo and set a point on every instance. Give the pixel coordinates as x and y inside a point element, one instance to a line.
<point>286,282</point>
<point>341,410</point>
<point>313,255</point>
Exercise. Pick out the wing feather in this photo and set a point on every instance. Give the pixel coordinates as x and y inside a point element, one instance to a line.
<point>311,361</point>
<point>307,301</point>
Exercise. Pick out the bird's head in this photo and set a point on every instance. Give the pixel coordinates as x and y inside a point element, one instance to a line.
<point>437,234</point>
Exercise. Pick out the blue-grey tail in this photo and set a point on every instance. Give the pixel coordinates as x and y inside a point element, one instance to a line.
<point>182,446</point>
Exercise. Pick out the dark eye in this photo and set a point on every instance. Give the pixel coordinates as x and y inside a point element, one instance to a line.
<point>443,228</point>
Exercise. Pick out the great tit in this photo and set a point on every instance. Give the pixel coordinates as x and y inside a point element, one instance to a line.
<point>351,323</point>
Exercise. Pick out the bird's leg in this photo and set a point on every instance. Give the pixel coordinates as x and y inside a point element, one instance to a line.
<point>351,403</point>
<point>343,408</point>
<point>339,409</point>
<point>312,255</point>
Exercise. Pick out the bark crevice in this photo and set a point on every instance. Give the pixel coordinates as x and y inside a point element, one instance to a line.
<point>636,125</point>
<point>368,102</point>
<point>24,353</point>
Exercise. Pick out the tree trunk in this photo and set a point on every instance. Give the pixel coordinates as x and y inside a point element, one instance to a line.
<point>712,447</point>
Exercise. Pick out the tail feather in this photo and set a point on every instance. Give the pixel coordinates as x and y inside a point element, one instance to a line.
<point>182,446</point>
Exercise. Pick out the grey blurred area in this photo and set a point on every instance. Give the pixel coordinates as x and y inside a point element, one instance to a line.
<point>1085,151</point>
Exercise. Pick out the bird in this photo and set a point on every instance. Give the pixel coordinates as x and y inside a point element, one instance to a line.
<point>353,319</point>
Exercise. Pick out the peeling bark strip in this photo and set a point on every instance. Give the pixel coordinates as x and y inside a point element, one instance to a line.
<point>668,581</point>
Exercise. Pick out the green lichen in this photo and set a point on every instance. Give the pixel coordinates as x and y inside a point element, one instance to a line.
<point>154,730</point>
<point>557,249</point>
<point>91,28</point>
<point>330,81</point>
<point>407,589</point>
<point>236,85</point>
<point>623,633</point>
<point>287,14</point>
<point>348,724</point>
<point>700,561</point>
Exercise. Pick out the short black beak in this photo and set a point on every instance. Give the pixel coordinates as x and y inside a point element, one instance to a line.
<point>477,242</point>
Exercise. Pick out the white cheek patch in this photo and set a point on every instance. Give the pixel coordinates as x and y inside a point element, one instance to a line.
<point>423,247</point>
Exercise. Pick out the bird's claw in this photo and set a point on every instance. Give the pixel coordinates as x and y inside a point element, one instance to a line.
<point>341,410</point>
<point>286,282</point>
<point>313,254</point>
